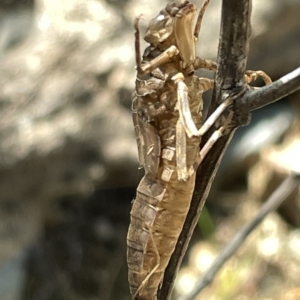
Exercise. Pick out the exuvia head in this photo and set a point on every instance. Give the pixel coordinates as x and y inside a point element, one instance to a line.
<point>177,23</point>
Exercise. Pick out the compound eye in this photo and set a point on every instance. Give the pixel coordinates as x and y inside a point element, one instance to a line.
<point>160,17</point>
<point>160,28</point>
<point>161,22</point>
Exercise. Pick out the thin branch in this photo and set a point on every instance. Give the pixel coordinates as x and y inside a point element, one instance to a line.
<point>278,196</point>
<point>232,56</point>
<point>233,46</point>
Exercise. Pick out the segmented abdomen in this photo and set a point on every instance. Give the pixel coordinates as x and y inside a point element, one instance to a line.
<point>162,201</point>
<point>157,217</point>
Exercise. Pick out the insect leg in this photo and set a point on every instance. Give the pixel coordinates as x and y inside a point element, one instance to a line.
<point>184,109</point>
<point>137,44</point>
<point>199,19</point>
<point>219,110</point>
<point>201,63</point>
<point>208,145</point>
<point>186,123</point>
<point>159,60</point>
<point>183,106</point>
<point>249,76</point>
<point>253,75</point>
<point>137,129</point>
<point>181,162</point>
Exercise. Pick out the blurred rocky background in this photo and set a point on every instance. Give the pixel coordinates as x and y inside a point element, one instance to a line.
<point>68,158</point>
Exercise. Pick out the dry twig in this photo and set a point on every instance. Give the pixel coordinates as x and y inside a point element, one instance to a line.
<point>278,196</point>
